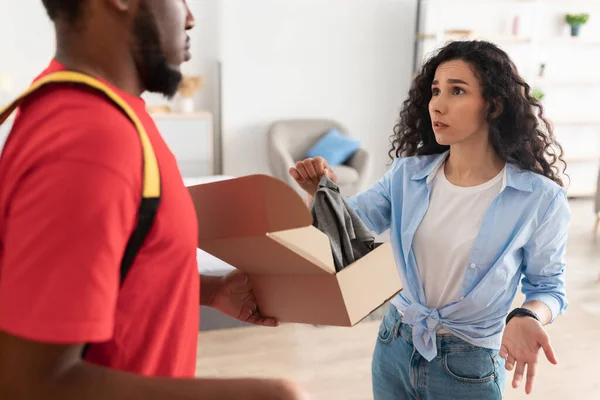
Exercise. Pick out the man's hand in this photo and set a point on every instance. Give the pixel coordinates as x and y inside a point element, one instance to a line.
<point>521,343</point>
<point>308,173</point>
<point>233,296</point>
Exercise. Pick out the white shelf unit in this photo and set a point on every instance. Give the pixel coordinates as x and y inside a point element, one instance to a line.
<point>570,80</point>
<point>190,138</point>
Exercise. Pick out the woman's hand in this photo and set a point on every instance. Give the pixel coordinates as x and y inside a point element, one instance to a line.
<point>308,173</point>
<point>523,338</point>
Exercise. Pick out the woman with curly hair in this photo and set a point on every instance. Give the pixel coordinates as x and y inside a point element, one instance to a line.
<point>475,205</point>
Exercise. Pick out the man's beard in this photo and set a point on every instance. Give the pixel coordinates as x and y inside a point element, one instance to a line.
<point>155,72</point>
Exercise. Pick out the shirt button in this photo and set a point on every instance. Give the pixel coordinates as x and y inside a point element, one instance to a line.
<point>473,265</point>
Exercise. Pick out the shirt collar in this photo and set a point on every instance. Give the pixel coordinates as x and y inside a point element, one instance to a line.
<point>514,177</point>
<point>517,178</point>
<point>429,170</point>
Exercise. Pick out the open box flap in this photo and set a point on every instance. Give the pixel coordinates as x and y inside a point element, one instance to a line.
<point>373,279</point>
<point>309,243</point>
<point>249,206</point>
<point>261,255</point>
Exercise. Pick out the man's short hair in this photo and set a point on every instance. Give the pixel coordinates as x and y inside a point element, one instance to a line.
<point>67,9</point>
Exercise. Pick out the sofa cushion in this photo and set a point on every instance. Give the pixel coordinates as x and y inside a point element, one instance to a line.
<point>345,175</point>
<point>334,147</point>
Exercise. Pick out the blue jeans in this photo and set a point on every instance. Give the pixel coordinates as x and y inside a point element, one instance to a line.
<point>459,371</point>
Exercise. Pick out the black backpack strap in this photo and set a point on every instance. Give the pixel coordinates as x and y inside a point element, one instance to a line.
<point>146,214</point>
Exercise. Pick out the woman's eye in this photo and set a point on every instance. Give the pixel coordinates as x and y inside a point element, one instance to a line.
<point>458,91</point>
<point>435,91</point>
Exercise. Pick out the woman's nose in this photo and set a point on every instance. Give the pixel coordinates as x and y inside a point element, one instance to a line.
<point>438,105</point>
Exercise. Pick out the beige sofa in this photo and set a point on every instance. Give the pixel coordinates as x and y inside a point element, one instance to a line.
<point>290,140</point>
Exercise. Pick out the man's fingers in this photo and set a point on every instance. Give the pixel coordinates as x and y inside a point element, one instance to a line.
<point>246,315</point>
<point>258,320</point>
<point>549,351</point>
<point>518,377</point>
<point>531,367</point>
<point>269,322</point>
<point>239,281</point>
<point>248,308</point>
<point>240,284</point>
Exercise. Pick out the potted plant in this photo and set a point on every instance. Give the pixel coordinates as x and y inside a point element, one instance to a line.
<point>576,20</point>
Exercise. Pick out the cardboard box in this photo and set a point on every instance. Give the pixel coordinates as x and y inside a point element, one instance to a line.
<point>261,226</point>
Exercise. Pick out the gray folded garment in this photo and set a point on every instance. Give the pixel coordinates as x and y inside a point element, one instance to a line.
<point>350,238</point>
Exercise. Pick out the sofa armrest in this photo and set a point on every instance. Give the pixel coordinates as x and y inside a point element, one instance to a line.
<point>280,161</point>
<point>361,162</point>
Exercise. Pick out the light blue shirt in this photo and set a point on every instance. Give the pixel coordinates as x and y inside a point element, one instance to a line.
<point>523,235</point>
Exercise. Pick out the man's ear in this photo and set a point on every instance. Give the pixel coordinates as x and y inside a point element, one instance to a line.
<point>124,5</point>
<point>497,107</point>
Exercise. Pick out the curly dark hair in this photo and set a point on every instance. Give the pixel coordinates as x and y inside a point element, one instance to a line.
<point>70,10</point>
<point>520,134</point>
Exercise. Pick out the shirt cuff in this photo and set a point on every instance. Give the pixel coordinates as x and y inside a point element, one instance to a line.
<point>549,300</point>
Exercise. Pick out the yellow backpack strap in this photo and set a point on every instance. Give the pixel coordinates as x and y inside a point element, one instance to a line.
<point>151,181</point>
<point>151,187</point>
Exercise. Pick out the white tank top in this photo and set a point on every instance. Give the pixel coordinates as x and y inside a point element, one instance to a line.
<point>443,242</point>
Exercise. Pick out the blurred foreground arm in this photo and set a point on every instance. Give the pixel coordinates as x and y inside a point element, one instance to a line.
<point>30,370</point>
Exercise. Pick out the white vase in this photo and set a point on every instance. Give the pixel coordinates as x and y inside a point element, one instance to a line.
<point>186,105</point>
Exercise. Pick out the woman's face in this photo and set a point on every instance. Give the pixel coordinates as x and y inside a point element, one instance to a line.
<point>457,107</point>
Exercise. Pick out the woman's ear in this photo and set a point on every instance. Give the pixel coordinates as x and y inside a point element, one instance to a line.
<point>497,108</point>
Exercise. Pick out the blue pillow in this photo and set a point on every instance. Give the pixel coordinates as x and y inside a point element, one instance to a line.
<point>334,147</point>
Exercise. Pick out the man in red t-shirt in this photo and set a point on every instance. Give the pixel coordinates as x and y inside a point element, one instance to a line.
<point>71,187</point>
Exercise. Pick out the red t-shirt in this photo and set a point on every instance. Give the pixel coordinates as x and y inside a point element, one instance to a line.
<point>71,174</point>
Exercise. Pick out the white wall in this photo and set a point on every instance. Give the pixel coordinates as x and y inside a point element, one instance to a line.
<point>27,51</point>
<point>205,50</point>
<point>344,59</point>
<point>349,60</point>
<point>571,82</point>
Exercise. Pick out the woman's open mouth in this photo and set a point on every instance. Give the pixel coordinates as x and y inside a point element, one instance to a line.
<point>437,125</point>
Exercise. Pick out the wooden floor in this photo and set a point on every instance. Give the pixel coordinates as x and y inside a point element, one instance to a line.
<point>334,363</point>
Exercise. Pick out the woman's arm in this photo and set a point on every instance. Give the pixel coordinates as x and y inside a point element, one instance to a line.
<point>544,262</point>
<point>544,288</point>
<point>373,205</point>
<point>540,309</point>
